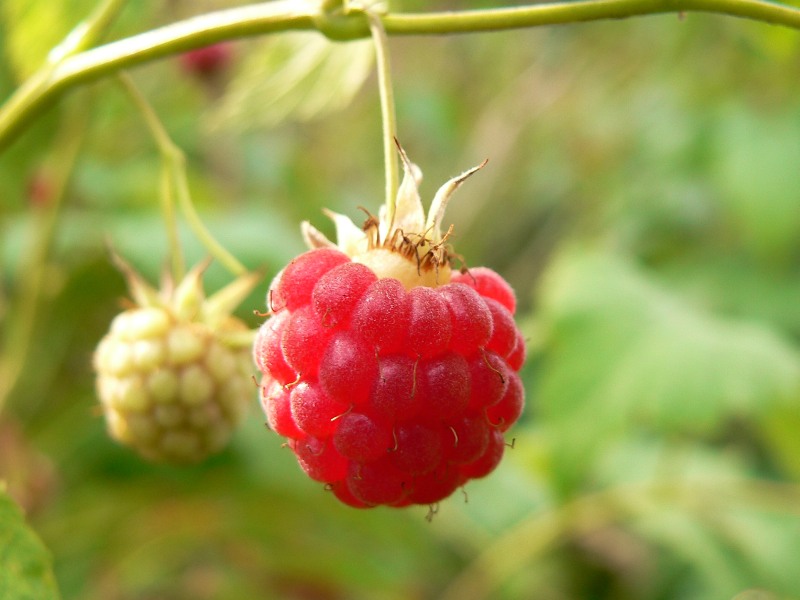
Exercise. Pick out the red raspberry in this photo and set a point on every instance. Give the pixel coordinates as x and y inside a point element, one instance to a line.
<point>207,62</point>
<point>489,285</point>
<point>394,379</point>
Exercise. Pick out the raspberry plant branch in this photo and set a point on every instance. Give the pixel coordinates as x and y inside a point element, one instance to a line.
<point>48,85</point>
<point>174,177</point>
<point>89,31</point>
<point>85,35</point>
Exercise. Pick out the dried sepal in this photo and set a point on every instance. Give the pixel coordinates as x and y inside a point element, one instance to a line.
<point>350,238</point>
<point>442,197</point>
<point>402,242</point>
<point>409,215</point>
<point>142,293</point>
<point>313,237</point>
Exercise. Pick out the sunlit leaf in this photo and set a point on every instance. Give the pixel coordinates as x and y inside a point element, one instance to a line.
<point>297,76</point>
<point>25,564</point>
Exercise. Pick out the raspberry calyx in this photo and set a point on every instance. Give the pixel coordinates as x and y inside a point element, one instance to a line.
<point>403,242</point>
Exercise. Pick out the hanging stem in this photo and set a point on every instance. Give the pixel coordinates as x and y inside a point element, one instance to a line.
<point>173,235</point>
<point>388,114</point>
<point>167,150</point>
<point>174,178</point>
<point>217,250</point>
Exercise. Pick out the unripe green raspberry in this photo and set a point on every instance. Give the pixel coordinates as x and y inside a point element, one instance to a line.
<point>174,373</point>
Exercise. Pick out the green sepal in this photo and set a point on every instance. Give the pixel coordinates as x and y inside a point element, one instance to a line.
<point>188,298</point>
<point>222,303</point>
<point>142,293</point>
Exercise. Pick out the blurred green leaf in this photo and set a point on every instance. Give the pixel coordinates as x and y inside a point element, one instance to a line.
<point>624,349</point>
<point>738,286</point>
<point>757,178</point>
<point>35,26</point>
<point>733,531</point>
<point>297,76</point>
<point>25,565</point>
<point>623,353</point>
<point>248,520</point>
<point>260,238</point>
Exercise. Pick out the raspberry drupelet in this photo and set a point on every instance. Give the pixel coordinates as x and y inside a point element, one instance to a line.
<point>393,377</point>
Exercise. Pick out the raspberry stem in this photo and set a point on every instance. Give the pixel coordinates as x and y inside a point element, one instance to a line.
<point>174,178</point>
<point>388,114</point>
<point>168,155</point>
<point>168,210</point>
<point>88,31</point>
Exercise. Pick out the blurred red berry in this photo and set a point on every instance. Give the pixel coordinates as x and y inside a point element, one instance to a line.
<point>208,61</point>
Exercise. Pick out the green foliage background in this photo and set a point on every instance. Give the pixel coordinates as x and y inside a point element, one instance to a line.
<point>641,195</point>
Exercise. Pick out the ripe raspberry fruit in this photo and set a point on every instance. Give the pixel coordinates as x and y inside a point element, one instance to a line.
<point>174,372</point>
<point>393,378</point>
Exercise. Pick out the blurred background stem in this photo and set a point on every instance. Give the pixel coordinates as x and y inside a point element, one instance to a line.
<point>31,277</point>
<point>168,153</point>
<point>174,177</point>
<point>30,282</point>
